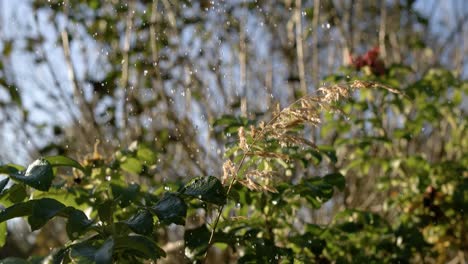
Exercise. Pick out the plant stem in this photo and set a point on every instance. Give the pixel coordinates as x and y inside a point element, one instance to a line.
<point>233,180</point>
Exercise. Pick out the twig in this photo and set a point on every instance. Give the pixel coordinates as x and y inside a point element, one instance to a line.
<point>300,48</point>
<point>315,44</point>
<point>125,62</point>
<point>86,107</point>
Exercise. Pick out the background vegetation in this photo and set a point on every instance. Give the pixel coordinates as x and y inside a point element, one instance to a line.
<point>314,131</point>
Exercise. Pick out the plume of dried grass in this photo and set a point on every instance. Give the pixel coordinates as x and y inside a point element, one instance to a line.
<point>305,111</point>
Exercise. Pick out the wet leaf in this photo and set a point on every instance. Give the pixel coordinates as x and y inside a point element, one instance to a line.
<point>125,195</point>
<point>83,250</point>
<point>104,254</point>
<point>56,161</point>
<point>77,223</point>
<point>170,209</point>
<point>44,210</point>
<point>208,189</point>
<point>38,175</point>
<point>141,223</point>
<point>16,210</point>
<point>40,211</point>
<point>197,240</point>
<point>140,246</point>
<point>15,194</point>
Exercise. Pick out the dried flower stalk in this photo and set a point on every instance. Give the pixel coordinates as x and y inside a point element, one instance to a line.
<point>306,110</point>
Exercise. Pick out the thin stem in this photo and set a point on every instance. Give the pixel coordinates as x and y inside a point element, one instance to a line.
<point>299,48</point>
<point>234,179</point>
<point>125,66</point>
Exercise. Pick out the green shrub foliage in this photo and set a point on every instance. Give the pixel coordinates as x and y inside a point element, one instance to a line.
<point>276,170</point>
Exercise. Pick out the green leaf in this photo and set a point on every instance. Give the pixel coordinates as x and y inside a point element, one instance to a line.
<point>170,209</point>
<point>335,179</point>
<point>125,195</point>
<point>15,194</point>
<point>208,189</point>
<point>43,210</point>
<point>83,250</point>
<point>15,95</point>
<point>39,175</point>
<point>3,183</point>
<point>104,254</point>
<point>77,223</point>
<point>58,256</point>
<point>330,152</point>
<point>197,239</point>
<point>141,223</point>
<point>3,233</point>
<point>16,210</point>
<point>13,260</point>
<point>227,120</point>
<point>56,161</point>
<point>132,165</point>
<point>140,246</point>
<point>146,154</point>
<point>315,191</point>
<point>105,211</point>
<point>9,169</point>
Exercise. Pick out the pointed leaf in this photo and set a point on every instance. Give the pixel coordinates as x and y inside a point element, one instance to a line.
<point>44,210</point>
<point>63,161</point>
<point>140,246</point>
<point>16,210</point>
<point>15,194</point>
<point>39,175</point>
<point>3,233</point>
<point>105,211</point>
<point>125,195</point>
<point>84,250</point>
<point>170,209</point>
<point>3,183</point>
<point>104,254</point>
<point>335,179</point>
<point>196,240</point>
<point>10,169</point>
<point>141,223</point>
<point>78,222</point>
<point>208,189</point>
